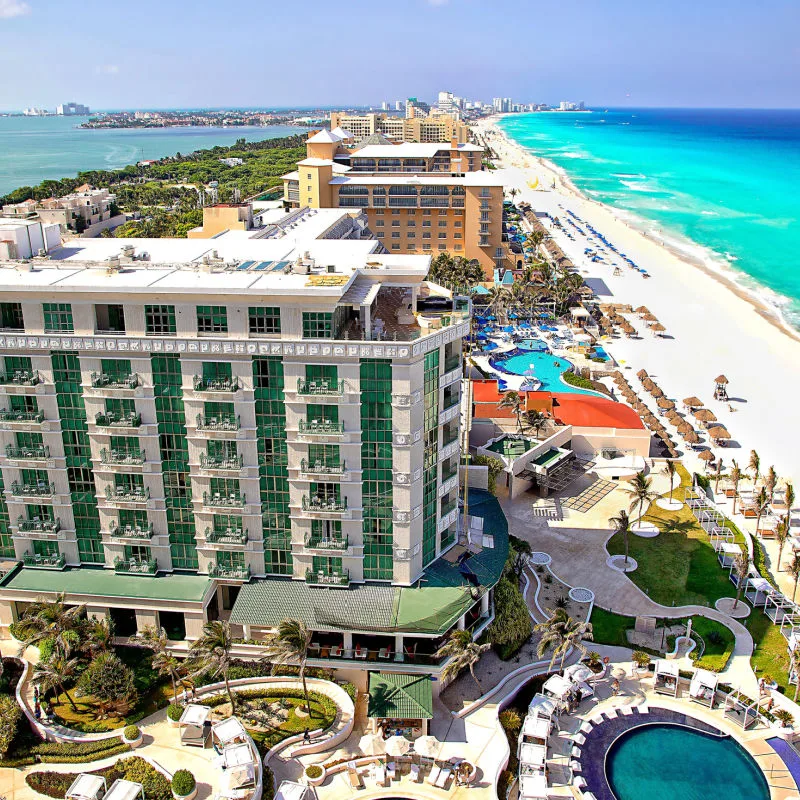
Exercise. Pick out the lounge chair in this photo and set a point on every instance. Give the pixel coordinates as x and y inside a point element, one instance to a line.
<point>435,772</point>
<point>578,782</point>
<point>414,773</point>
<point>579,738</point>
<point>444,777</point>
<point>380,774</point>
<point>355,778</point>
<point>391,769</point>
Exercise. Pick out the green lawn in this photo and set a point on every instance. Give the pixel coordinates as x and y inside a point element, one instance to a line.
<point>771,656</point>
<point>609,628</point>
<point>719,641</point>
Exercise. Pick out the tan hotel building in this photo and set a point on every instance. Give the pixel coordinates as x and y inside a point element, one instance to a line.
<point>441,128</point>
<point>419,198</point>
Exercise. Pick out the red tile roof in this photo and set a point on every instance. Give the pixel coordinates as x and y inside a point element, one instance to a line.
<point>586,411</point>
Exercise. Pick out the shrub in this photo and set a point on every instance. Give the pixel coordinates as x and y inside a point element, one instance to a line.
<point>512,624</point>
<point>314,771</point>
<point>183,782</point>
<point>784,717</point>
<point>46,649</point>
<point>155,784</point>
<point>511,720</point>
<point>19,630</point>
<point>174,711</point>
<point>109,680</point>
<point>10,715</point>
<point>640,658</point>
<point>577,380</point>
<point>495,466</point>
<point>351,690</point>
<point>131,733</point>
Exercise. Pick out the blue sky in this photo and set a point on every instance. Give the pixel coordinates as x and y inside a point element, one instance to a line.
<point>176,53</point>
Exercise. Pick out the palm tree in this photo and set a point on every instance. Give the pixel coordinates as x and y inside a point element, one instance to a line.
<point>781,537</point>
<point>536,421</point>
<point>496,299</point>
<point>211,653</point>
<point>464,653</point>
<point>717,475</point>
<point>52,673</point>
<point>513,192</point>
<point>670,470</point>
<point>741,568</point>
<point>513,401</point>
<point>622,524</point>
<point>290,645</point>
<point>164,662</point>
<point>794,667</point>
<point>98,636</point>
<point>53,619</point>
<point>794,571</point>
<point>762,504</point>
<point>771,481</point>
<point>735,476</point>
<point>641,493</point>
<point>754,465</point>
<point>561,633</point>
<point>789,497</point>
<point>673,525</point>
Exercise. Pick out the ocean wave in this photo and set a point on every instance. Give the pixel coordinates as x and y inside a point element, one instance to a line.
<point>627,175</point>
<point>637,186</point>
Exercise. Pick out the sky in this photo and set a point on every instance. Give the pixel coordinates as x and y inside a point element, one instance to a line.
<point>207,53</point>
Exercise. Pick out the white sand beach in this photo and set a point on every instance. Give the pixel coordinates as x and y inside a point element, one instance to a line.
<point>712,326</point>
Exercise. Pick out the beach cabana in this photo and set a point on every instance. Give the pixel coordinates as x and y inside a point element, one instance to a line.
<point>289,790</point>
<point>195,725</point>
<point>720,388</point>
<point>758,591</point>
<point>727,553</point>
<point>532,783</point>
<point>86,787</point>
<point>741,708</point>
<point>703,687</point>
<point>535,729</point>
<point>124,790</point>
<point>229,730</point>
<point>777,607</point>
<point>558,688</point>
<point>666,677</point>
<point>534,755</point>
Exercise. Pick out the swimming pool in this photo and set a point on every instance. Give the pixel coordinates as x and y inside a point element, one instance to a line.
<point>546,367</point>
<point>672,762</point>
<point>511,446</point>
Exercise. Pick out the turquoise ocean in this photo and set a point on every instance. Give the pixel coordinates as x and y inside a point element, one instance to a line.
<point>722,185</point>
<point>33,149</point>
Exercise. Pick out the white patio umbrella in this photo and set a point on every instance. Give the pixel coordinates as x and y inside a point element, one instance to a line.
<point>372,744</point>
<point>397,746</point>
<point>427,746</point>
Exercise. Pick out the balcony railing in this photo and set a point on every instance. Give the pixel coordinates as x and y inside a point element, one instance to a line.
<point>20,377</point>
<point>132,495</point>
<point>215,384</point>
<point>328,578</point>
<point>321,468</point>
<point>224,501</point>
<point>38,452</point>
<point>322,386</point>
<point>449,437</point>
<point>136,566</point>
<point>332,504</point>
<point>317,542</point>
<point>7,415</point>
<point>118,419</point>
<point>321,427</point>
<point>451,363</point>
<point>221,462</point>
<point>226,535</point>
<point>42,489</point>
<point>38,525</point>
<point>124,457</point>
<point>450,400</point>
<point>49,561</point>
<point>229,571</point>
<point>118,531</point>
<point>449,506</point>
<point>221,422</point>
<point>448,472</point>
<point>102,380</point>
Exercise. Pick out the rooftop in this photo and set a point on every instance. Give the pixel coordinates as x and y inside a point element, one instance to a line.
<point>586,411</point>
<point>400,696</point>
<point>413,150</point>
<point>475,178</point>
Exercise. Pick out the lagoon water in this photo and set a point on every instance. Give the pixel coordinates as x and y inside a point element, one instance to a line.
<point>721,182</point>
<point>33,149</point>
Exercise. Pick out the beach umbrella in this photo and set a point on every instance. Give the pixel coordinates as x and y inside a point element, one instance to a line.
<point>648,317</point>
<point>657,425</point>
<point>642,374</point>
<point>718,432</point>
<point>397,745</point>
<point>706,455</point>
<point>704,415</point>
<point>721,379</point>
<point>657,392</point>
<point>691,437</point>
<point>427,746</point>
<point>665,403</point>
<point>684,427</point>
<point>648,383</point>
<point>692,402</point>
<point>657,327</point>
<point>674,417</point>
<point>643,310</point>
<point>373,744</point>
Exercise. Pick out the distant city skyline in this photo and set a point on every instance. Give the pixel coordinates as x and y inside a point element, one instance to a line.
<point>713,54</point>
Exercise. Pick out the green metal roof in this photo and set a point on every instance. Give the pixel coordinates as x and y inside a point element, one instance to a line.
<point>107,583</point>
<point>400,696</point>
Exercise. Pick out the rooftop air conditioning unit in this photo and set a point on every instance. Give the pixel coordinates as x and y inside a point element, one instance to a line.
<point>331,268</point>
<point>128,250</point>
<point>301,267</point>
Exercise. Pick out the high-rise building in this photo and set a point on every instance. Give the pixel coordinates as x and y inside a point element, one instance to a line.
<point>268,429</point>
<point>72,110</point>
<point>384,106</point>
<point>419,128</point>
<point>399,105</point>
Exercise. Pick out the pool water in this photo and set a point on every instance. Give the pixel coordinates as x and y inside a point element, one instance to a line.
<point>546,367</point>
<point>532,344</point>
<point>670,762</point>
<point>510,447</point>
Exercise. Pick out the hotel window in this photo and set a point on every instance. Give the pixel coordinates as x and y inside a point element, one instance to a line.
<point>395,223</point>
<point>458,224</point>
<point>484,216</point>
<point>308,176</point>
<point>426,223</point>
<point>458,247</point>
<point>395,234</point>
<point>426,245</point>
<point>212,319</point>
<point>379,212</point>
<point>484,205</point>
<point>411,235</point>
<point>395,212</point>
<point>459,212</point>
<point>426,212</point>
<point>264,320</point>
<point>486,192</point>
<point>380,223</point>
<point>412,223</point>
<point>442,223</point>
<point>426,235</point>
<point>442,234</point>
<point>457,236</point>
<point>443,247</point>
<point>110,318</point>
<point>395,246</point>
<point>159,321</point>
<point>324,325</point>
<point>11,317</point>
<point>484,227</point>
<point>57,318</point>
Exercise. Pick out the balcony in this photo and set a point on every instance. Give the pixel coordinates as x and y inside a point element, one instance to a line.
<point>320,387</point>
<point>41,489</point>
<point>118,419</point>
<point>327,505</point>
<point>452,362</point>
<point>124,495</point>
<point>226,535</point>
<point>136,566</point>
<point>449,472</point>
<point>117,531</point>
<point>449,437</point>
<point>40,452</point>
<point>101,380</point>
<point>321,428</point>
<point>321,468</point>
<point>222,422</point>
<point>229,571</point>
<point>122,457</point>
<point>21,416</point>
<point>20,377</point>
<point>226,463</point>
<point>329,578</point>
<point>50,561</point>
<point>224,501</point>
<point>216,384</point>
<point>450,400</point>
<point>316,542</point>
<point>449,506</point>
<point>38,525</point>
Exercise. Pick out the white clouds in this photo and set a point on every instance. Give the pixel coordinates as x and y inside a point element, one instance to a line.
<point>13,8</point>
<point>105,69</point>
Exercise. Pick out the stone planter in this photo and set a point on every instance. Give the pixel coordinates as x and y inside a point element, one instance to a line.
<point>320,779</point>
<point>787,734</point>
<point>189,796</point>
<point>133,743</point>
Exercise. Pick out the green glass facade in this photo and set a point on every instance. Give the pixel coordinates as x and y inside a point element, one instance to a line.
<point>6,543</point>
<point>431,457</point>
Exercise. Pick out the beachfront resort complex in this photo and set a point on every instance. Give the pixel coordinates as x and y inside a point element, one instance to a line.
<point>378,488</point>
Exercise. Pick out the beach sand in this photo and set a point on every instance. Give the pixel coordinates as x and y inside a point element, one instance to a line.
<point>713,326</point>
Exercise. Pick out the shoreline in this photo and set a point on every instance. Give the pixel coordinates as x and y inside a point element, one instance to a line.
<point>725,275</point>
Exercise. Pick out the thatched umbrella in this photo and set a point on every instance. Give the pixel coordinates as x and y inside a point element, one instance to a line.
<point>657,425</point>
<point>721,380</point>
<point>648,317</point>
<point>665,403</point>
<point>692,402</point>
<point>643,310</point>
<point>674,417</point>
<point>718,433</point>
<point>662,434</point>
<point>649,420</point>
<point>706,455</point>
<point>648,383</point>
<point>673,453</point>
<point>627,327</point>
<point>657,327</point>
<point>657,392</point>
<point>704,415</point>
<point>691,437</point>
<point>684,427</point>
<point>642,374</point>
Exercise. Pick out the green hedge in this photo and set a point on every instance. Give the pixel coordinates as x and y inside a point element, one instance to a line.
<point>64,752</point>
<point>512,624</point>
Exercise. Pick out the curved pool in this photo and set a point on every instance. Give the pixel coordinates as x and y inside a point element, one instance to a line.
<point>546,367</point>
<point>672,762</point>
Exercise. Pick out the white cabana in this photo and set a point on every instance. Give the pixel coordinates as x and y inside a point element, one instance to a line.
<point>86,787</point>
<point>238,778</point>
<point>532,784</point>
<point>535,729</point>
<point>124,790</point>
<point>542,705</point>
<point>236,754</point>
<point>558,687</point>
<point>757,590</point>
<point>289,790</point>
<point>703,687</point>
<point>195,725</point>
<point>741,708</point>
<point>229,730</point>
<point>666,677</point>
<point>779,606</point>
<point>579,673</point>
<point>727,553</point>
<point>533,754</point>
